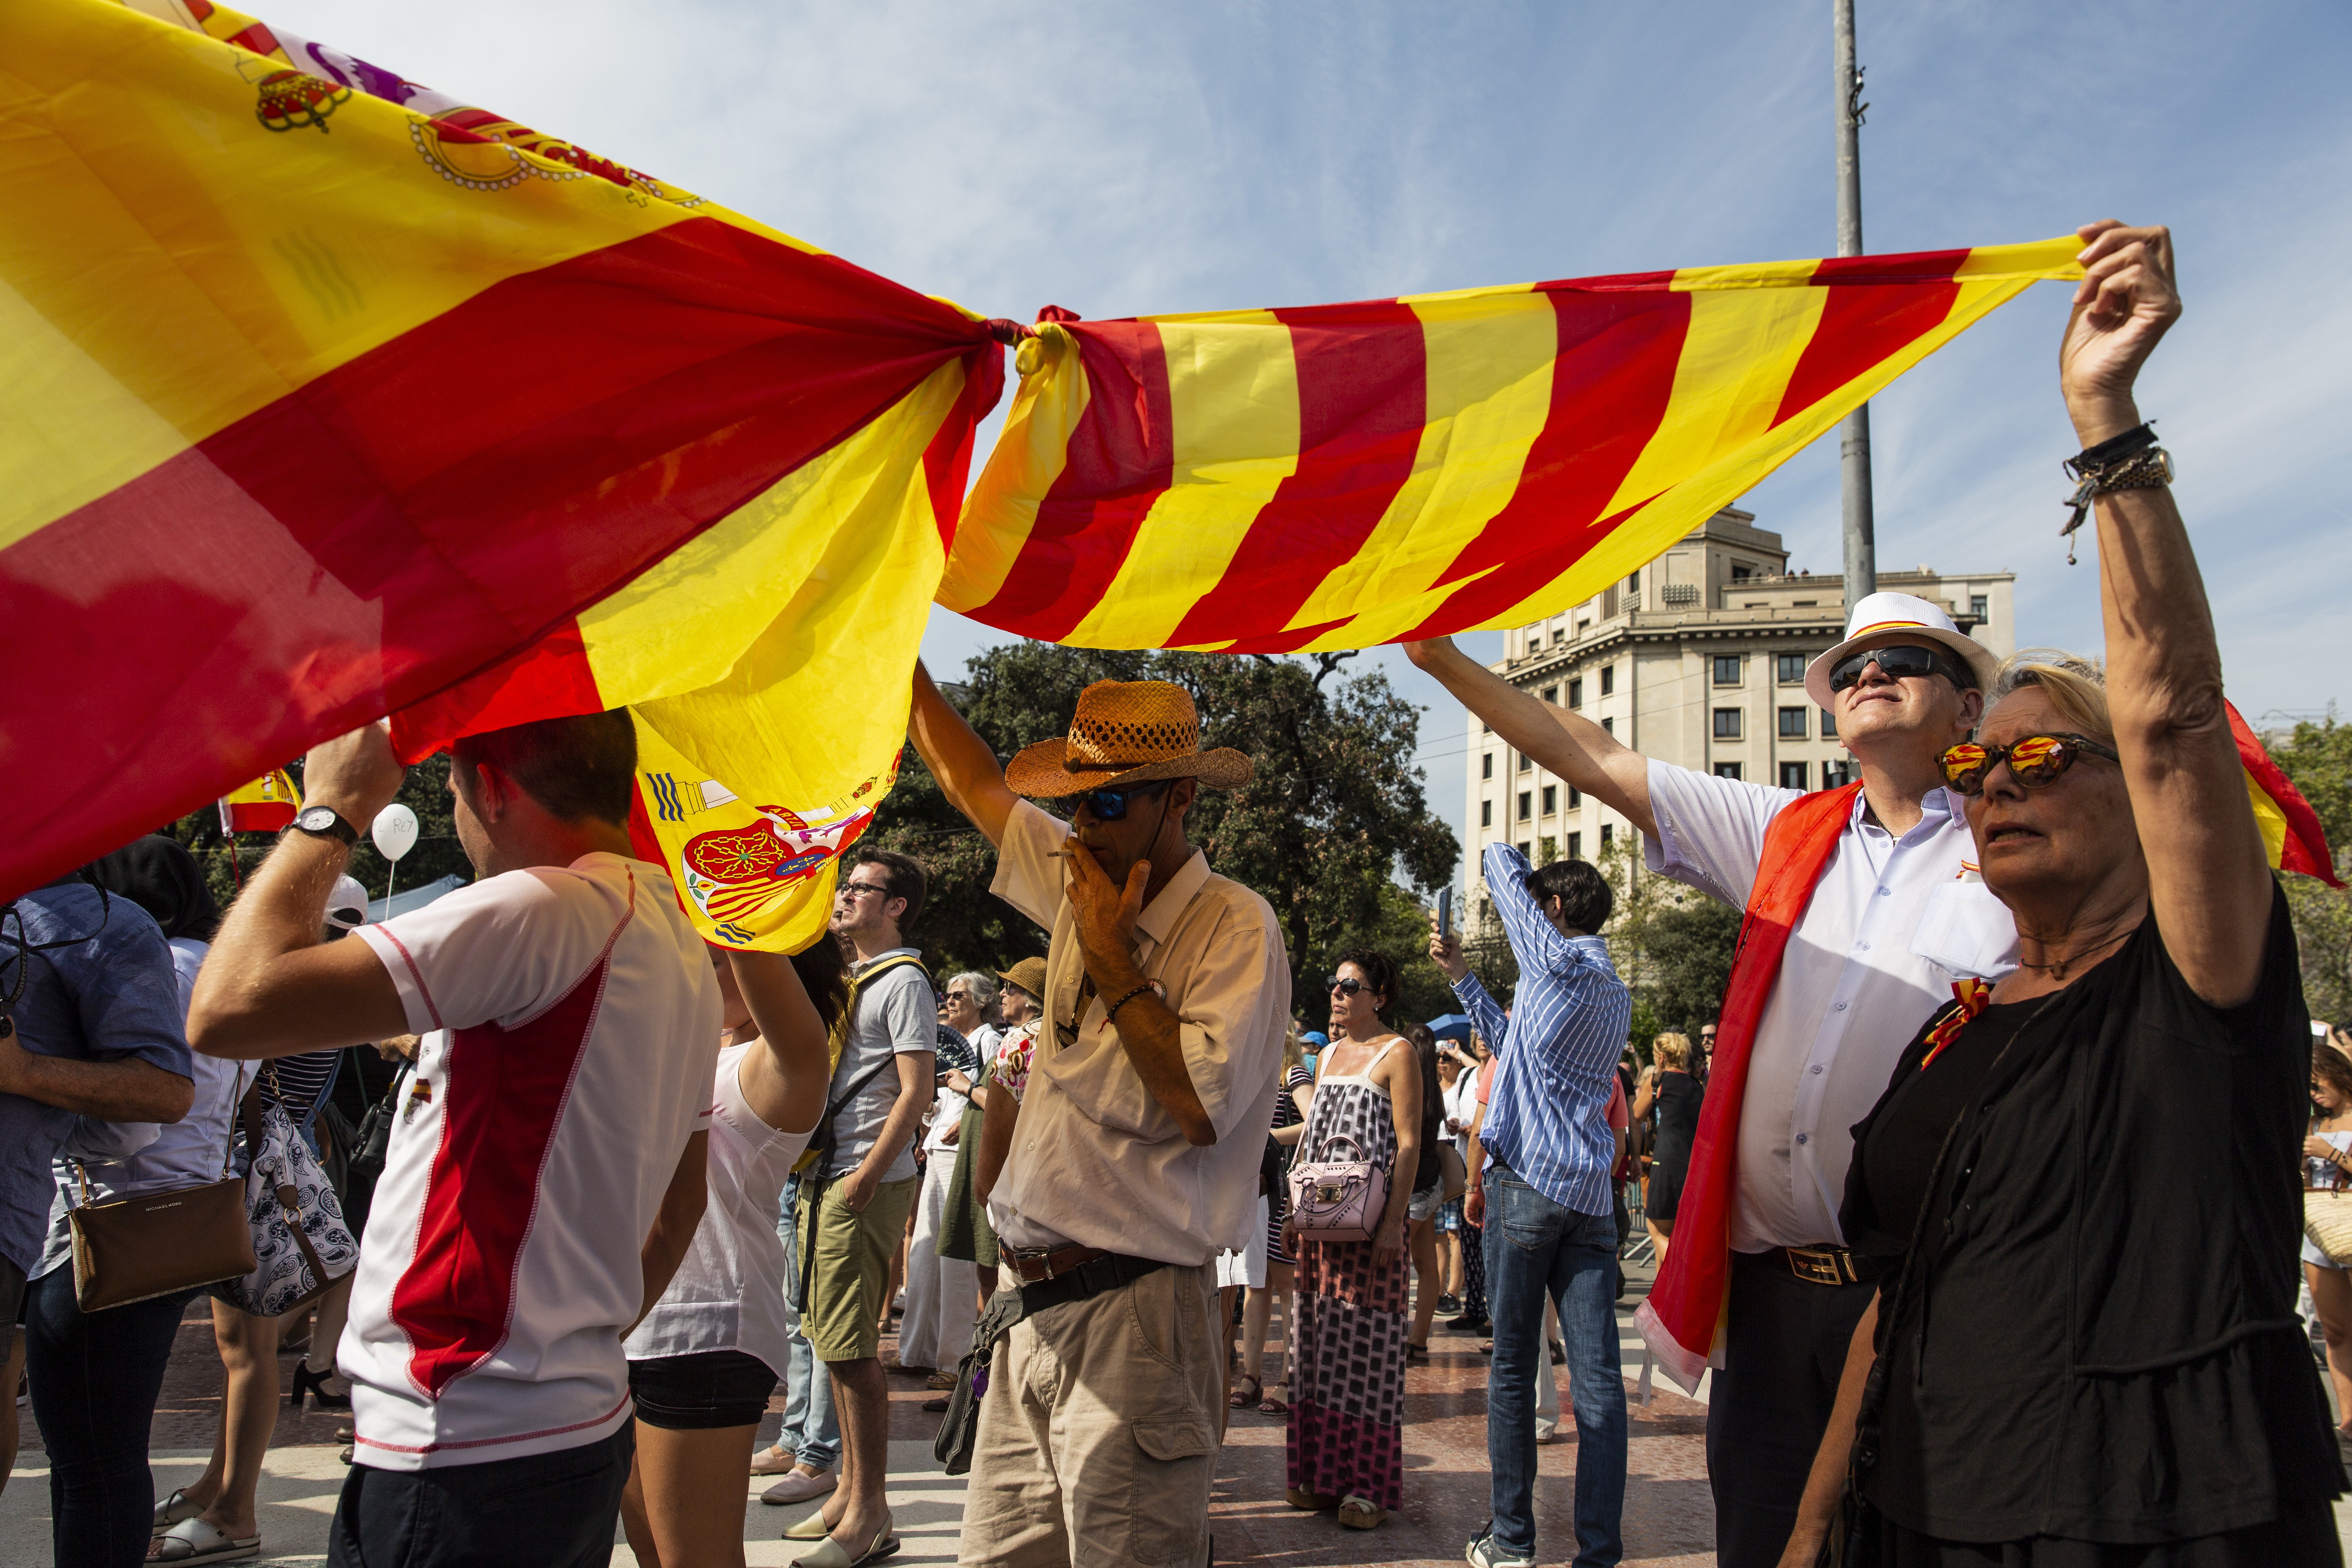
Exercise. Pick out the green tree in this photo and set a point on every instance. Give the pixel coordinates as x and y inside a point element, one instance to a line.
<point>2318,757</point>
<point>1335,814</point>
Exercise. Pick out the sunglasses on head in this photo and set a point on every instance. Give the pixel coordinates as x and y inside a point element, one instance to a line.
<point>1110,805</point>
<point>2033,760</point>
<point>1900,660</point>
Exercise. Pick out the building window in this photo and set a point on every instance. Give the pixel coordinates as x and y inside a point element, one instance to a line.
<point>1526,804</point>
<point>1632,581</point>
<point>1793,776</point>
<point>1609,726</point>
<point>1979,606</point>
<point>1792,723</point>
<point>1583,628</point>
<point>1487,766</point>
<point>1726,669</point>
<point>1576,693</point>
<point>1792,668</point>
<point>1828,724</point>
<point>1741,571</point>
<point>1551,800</point>
<point>1486,814</point>
<point>1836,775</point>
<point>1551,695</point>
<point>1525,765</point>
<point>1524,848</point>
<point>1727,723</point>
<point>1726,770</point>
<point>1576,846</point>
<point>1484,727</point>
<point>1608,679</point>
<point>1547,851</point>
<point>1575,797</point>
<point>1608,833</point>
<point>1558,635</point>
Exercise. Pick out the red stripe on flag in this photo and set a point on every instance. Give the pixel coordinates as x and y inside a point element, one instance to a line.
<point>546,680</point>
<point>1363,400</point>
<point>1862,325</point>
<point>425,509</point>
<point>2305,850</point>
<point>1612,380</point>
<point>947,462</point>
<point>1117,462</point>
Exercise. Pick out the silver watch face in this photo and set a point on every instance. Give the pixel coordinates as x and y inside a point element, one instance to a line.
<point>316,818</point>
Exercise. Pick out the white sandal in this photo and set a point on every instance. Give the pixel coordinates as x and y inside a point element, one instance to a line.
<point>195,1541</point>
<point>173,1510</point>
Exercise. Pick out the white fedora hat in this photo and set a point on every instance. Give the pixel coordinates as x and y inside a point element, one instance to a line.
<point>1885,618</point>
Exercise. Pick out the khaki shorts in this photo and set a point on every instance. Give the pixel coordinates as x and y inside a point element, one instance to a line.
<point>852,1268</point>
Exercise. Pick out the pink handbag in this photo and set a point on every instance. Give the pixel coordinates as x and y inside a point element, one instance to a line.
<point>1337,1200</point>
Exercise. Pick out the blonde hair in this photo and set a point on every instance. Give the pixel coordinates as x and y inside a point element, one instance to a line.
<point>2075,686</point>
<point>1672,1050</point>
<point>1294,1049</point>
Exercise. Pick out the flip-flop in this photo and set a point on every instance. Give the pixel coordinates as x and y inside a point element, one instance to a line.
<point>195,1541</point>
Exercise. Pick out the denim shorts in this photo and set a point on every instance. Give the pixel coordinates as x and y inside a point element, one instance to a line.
<point>698,1392</point>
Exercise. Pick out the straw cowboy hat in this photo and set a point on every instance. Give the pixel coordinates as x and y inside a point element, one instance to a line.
<point>1029,976</point>
<point>1882,618</point>
<point>1126,732</point>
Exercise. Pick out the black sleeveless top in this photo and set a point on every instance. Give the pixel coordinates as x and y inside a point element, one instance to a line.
<point>2099,1340</point>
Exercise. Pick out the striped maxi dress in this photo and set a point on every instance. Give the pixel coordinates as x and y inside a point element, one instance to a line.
<point>1346,1434</point>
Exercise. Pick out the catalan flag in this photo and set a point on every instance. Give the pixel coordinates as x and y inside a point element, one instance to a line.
<point>324,395</point>
<point>2292,836</point>
<point>1337,476</point>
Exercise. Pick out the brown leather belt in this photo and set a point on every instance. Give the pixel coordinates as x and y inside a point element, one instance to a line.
<point>1036,1264</point>
<point>1817,1264</point>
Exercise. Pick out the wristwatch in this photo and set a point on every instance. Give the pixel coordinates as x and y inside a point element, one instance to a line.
<point>327,823</point>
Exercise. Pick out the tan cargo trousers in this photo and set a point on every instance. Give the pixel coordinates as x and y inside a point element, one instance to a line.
<point>1097,1436</point>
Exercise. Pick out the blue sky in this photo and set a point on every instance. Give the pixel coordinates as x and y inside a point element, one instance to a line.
<point>1120,159</point>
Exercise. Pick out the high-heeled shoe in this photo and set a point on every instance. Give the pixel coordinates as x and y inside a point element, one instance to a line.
<point>314,1383</point>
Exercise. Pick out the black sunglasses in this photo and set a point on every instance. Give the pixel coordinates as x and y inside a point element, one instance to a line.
<point>1900,660</point>
<point>1346,987</point>
<point>2034,761</point>
<point>1110,805</point>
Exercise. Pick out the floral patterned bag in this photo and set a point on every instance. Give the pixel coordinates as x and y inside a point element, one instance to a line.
<point>299,1241</point>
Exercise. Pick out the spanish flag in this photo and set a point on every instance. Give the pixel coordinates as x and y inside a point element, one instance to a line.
<point>325,395</point>
<point>2290,832</point>
<point>1277,481</point>
<point>265,806</point>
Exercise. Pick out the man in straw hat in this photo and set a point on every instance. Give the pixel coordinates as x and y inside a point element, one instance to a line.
<point>1859,920</point>
<point>1135,1159</point>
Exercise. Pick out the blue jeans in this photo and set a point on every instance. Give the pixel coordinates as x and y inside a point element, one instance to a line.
<point>1536,1247</point>
<point>95,1378</point>
<point>811,1431</point>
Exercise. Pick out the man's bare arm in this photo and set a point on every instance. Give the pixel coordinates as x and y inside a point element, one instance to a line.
<point>1567,744</point>
<point>675,1223</point>
<point>999,1118</point>
<point>968,772</point>
<point>128,1089</point>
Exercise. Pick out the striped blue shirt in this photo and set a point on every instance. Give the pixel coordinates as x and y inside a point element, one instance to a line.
<point>1548,1115</point>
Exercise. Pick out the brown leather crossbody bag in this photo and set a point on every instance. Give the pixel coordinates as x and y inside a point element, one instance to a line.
<point>156,1243</point>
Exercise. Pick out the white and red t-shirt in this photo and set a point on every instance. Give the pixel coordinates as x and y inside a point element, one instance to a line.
<point>529,1158</point>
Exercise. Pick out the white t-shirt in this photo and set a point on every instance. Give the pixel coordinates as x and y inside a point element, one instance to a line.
<point>895,1017</point>
<point>529,1158</point>
<point>1852,987</point>
<point>729,1291</point>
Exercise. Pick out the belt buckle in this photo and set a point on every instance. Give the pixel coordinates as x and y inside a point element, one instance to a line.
<point>1041,1255</point>
<point>1814,1267</point>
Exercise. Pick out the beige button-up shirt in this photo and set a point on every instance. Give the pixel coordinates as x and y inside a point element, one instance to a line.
<point>1095,1160</point>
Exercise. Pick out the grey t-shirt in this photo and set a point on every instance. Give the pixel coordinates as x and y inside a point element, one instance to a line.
<point>896,1016</point>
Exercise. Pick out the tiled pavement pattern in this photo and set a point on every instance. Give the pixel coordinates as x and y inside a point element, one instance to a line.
<point>1668,1515</point>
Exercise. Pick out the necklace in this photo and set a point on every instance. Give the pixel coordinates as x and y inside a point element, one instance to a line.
<point>2057,967</point>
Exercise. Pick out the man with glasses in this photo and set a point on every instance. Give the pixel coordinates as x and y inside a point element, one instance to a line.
<point>1135,1159</point>
<point>1840,960</point>
<point>881,1087</point>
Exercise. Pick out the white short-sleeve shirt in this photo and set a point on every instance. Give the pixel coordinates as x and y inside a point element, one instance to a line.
<point>1095,1160</point>
<point>1851,990</point>
<point>528,1157</point>
<point>729,1291</point>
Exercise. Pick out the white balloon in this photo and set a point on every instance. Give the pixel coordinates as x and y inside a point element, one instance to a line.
<point>395,831</point>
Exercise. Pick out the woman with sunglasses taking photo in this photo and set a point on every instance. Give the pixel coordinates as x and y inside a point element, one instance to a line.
<point>1346,1443</point>
<point>2076,1194</point>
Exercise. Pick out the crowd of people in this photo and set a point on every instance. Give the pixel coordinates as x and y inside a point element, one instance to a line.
<point>1978,1200</point>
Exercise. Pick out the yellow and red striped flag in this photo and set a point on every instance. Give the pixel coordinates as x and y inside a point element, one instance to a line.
<point>265,806</point>
<point>2292,836</point>
<point>325,395</point>
<point>1275,482</point>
